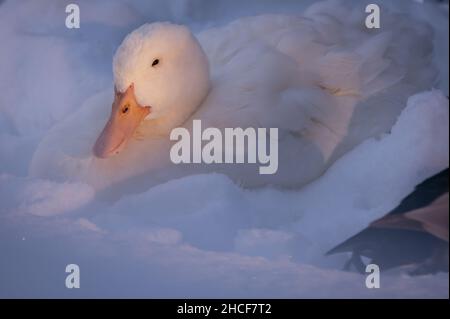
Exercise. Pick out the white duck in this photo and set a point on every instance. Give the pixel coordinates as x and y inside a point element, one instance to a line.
<point>324,80</point>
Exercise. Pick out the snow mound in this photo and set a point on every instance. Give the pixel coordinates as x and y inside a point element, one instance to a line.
<point>204,236</point>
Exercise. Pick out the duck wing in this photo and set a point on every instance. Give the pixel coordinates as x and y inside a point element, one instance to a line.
<point>407,235</point>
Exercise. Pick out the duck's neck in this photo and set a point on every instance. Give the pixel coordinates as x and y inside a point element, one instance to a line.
<point>175,117</point>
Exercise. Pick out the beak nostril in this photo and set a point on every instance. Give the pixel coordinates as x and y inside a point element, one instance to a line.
<point>126,108</point>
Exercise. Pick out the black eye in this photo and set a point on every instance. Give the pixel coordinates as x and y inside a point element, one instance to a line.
<point>155,62</point>
<point>126,109</point>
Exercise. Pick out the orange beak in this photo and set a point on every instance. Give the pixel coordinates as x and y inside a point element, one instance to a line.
<point>126,115</point>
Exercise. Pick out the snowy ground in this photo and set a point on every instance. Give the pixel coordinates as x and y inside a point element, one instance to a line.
<point>215,239</point>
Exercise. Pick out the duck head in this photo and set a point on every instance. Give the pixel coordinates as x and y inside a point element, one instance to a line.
<point>161,74</point>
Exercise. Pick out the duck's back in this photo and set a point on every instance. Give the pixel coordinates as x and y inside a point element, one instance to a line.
<point>324,79</point>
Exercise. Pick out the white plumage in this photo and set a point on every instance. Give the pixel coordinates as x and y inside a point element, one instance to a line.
<point>323,79</point>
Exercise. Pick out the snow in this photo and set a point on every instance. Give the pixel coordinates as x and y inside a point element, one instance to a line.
<point>43,197</point>
<point>202,235</point>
